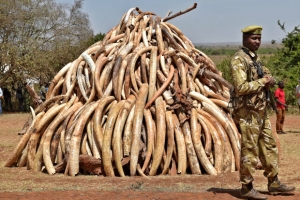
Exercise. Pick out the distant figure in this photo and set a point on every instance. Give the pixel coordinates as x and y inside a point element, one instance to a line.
<point>46,87</point>
<point>7,99</point>
<point>1,97</point>
<point>281,107</point>
<point>298,93</point>
<point>42,91</point>
<point>26,99</point>
<point>20,97</point>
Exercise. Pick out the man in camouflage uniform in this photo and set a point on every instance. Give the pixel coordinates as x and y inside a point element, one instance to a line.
<point>251,81</point>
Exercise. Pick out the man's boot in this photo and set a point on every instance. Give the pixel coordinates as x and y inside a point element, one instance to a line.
<point>248,192</point>
<point>275,186</point>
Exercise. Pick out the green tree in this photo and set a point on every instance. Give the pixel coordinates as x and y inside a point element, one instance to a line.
<point>224,67</point>
<point>285,63</point>
<point>96,38</point>
<point>38,37</point>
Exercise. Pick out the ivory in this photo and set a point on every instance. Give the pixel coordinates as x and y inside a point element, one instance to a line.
<point>132,66</point>
<point>57,77</point>
<point>181,147</point>
<point>107,137</point>
<point>161,89</point>
<point>196,138</point>
<point>151,132</point>
<point>97,118</point>
<point>108,104</point>
<point>121,76</point>
<point>63,113</point>
<point>171,144</point>
<point>91,139</point>
<point>161,134</point>
<point>218,145</point>
<point>136,127</point>
<point>117,135</point>
<point>89,61</point>
<point>127,135</point>
<point>76,138</point>
<point>152,72</point>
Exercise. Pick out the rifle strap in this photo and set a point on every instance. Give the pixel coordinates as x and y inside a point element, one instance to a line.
<point>257,65</point>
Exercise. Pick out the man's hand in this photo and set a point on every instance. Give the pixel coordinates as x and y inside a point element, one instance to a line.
<point>286,107</point>
<point>270,80</point>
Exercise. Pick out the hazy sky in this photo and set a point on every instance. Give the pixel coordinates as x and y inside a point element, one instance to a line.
<point>213,21</point>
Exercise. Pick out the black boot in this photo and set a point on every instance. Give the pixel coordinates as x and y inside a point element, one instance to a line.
<point>275,186</point>
<point>248,192</point>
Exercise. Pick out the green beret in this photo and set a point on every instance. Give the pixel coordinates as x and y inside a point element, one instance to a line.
<point>256,30</point>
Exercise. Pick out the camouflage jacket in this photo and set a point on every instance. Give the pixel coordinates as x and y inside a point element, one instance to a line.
<point>249,89</point>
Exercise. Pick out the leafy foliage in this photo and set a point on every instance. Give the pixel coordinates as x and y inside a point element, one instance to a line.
<point>38,37</point>
<point>96,38</point>
<point>224,67</point>
<point>285,63</point>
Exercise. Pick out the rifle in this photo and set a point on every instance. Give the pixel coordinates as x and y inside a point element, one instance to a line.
<point>271,100</point>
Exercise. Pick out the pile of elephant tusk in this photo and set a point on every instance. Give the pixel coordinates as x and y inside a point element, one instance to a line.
<point>143,101</point>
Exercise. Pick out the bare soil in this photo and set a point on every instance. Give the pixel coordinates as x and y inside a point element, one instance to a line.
<point>20,183</point>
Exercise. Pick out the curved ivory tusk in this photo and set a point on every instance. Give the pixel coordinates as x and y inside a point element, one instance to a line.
<point>136,127</point>
<point>218,145</point>
<point>229,130</point>
<point>107,138</point>
<point>151,131</point>
<point>162,88</point>
<point>128,14</point>
<point>57,77</point>
<point>117,135</point>
<point>97,118</point>
<point>132,66</point>
<point>196,138</point>
<point>89,60</point>
<point>181,147</point>
<point>170,137</point>
<point>152,72</point>
<point>32,112</point>
<point>76,138</point>
<point>227,161</point>
<point>80,83</point>
<point>161,135</point>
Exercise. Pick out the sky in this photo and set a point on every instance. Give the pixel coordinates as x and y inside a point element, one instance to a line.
<point>213,21</point>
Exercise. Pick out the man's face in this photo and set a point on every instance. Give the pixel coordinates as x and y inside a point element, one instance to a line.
<point>281,85</point>
<point>252,42</point>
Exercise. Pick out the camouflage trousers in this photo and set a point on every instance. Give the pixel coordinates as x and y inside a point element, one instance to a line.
<point>257,142</point>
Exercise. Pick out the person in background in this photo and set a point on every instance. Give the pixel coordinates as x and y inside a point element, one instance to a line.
<point>20,96</point>
<point>251,110</point>
<point>7,99</point>
<point>26,99</point>
<point>298,94</point>
<point>46,87</point>
<point>42,91</point>
<point>1,97</point>
<point>281,107</point>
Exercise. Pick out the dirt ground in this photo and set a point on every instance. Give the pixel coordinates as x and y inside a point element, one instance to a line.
<point>20,183</point>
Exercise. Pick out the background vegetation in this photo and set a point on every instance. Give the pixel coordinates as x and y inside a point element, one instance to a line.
<point>283,60</point>
<point>38,37</point>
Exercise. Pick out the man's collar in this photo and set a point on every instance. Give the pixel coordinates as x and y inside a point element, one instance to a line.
<point>252,54</point>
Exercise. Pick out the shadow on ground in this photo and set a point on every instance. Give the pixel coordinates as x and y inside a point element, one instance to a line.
<point>233,192</point>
